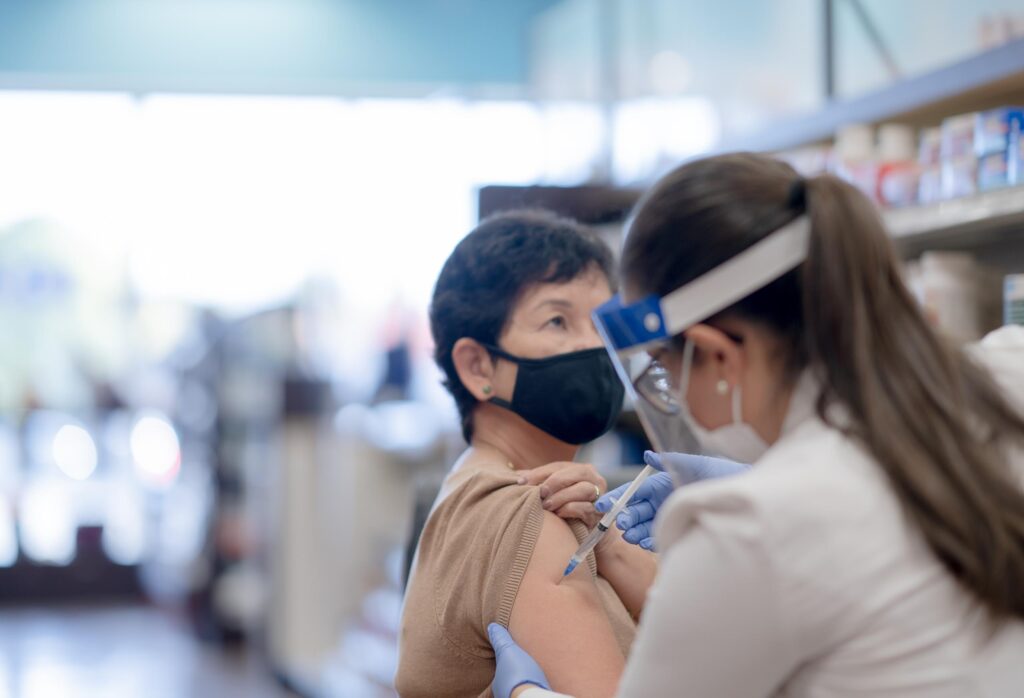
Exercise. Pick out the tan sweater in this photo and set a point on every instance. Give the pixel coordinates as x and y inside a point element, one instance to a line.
<point>471,558</point>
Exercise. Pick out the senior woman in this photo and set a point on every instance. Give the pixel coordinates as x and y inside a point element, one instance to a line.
<point>511,318</point>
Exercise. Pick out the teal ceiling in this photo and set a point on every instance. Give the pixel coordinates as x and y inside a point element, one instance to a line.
<point>276,45</point>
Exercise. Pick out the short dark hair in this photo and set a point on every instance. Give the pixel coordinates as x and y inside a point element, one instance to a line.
<point>490,269</point>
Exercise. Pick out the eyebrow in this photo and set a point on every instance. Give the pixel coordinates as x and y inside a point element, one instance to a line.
<point>557,302</point>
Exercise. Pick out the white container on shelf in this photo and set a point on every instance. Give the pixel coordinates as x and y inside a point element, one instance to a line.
<point>898,171</point>
<point>929,157</point>
<point>956,293</point>
<point>855,158</point>
<point>959,160</point>
<point>809,161</point>
<point>1013,299</point>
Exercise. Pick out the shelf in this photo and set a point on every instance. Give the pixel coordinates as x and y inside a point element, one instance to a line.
<point>994,216</point>
<point>590,204</point>
<point>988,80</point>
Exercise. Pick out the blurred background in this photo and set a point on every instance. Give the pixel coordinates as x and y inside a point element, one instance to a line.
<point>220,222</point>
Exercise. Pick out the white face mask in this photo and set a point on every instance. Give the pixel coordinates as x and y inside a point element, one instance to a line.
<point>737,441</point>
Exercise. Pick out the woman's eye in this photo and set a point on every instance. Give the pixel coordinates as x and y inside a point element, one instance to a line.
<point>557,321</point>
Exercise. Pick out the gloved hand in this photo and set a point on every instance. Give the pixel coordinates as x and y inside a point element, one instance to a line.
<point>514,666</point>
<point>690,468</point>
<point>637,519</point>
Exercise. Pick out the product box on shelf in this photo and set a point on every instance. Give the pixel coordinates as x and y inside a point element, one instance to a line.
<point>997,170</point>
<point>997,144</point>
<point>1013,300</point>
<point>898,169</point>
<point>929,157</point>
<point>959,295</point>
<point>809,161</point>
<point>855,159</point>
<point>959,158</point>
<point>997,130</point>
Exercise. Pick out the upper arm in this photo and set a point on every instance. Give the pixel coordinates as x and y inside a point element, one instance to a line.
<point>564,625</point>
<point>713,624</point>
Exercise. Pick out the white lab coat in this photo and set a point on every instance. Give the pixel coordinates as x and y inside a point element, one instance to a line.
<point>804,578</point>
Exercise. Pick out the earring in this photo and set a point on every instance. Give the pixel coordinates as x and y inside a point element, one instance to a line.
<point>487,390</point>
<point>722,387</point>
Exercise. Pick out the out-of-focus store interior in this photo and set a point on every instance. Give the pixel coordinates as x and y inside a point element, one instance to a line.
<point>220,224</point>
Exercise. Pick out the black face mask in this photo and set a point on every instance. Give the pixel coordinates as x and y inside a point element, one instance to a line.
<point>575,397</point>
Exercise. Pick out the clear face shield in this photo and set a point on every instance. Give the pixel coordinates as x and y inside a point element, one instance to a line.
<point>644,339</point>
<point>644,360</point>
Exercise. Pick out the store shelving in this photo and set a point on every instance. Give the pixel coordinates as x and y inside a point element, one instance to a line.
<point>991,224</point>
<point>985,218</point>
<point>590,204</point>
<point>987,80</point>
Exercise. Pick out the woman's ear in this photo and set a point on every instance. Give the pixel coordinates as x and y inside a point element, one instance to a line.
<point>475,368</point>
<point>722,354</point>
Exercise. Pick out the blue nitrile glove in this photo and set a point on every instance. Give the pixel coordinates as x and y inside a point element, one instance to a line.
<point>637,519</point>
<point>690,468</point>
<point>514,666</point>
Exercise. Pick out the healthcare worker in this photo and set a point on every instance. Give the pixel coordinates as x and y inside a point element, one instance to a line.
<point>876,546</point>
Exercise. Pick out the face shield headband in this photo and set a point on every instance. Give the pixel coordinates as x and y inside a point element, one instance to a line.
<point>632,330</point>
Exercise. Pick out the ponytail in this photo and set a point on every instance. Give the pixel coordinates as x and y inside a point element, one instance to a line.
<point>930,417</point>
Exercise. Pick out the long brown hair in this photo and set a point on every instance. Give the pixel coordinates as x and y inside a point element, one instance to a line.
<point>935,422</point>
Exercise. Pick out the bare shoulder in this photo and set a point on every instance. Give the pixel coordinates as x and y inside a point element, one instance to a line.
<point>562,622</point>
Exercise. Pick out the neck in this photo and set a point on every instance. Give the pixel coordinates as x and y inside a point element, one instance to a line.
<point>780,410</point>
<point>771,424</point>
<point>522,444</point>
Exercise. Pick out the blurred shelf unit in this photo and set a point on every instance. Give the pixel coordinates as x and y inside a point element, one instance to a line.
<point>991,221</point>
<point>985,81</point>
<point>589,204</point>
<point>989,218</point>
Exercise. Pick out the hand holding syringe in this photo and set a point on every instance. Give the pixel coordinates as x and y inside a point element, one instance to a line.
<point>606,521</point>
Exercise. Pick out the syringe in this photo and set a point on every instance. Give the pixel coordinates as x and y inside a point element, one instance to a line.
<point>606,521</point>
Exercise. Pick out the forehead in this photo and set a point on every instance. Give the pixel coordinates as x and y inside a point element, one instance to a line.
<point>589,287</point>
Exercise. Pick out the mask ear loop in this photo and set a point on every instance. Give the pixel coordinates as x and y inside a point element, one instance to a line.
<point>684,379</point>
<point>737,405</point>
